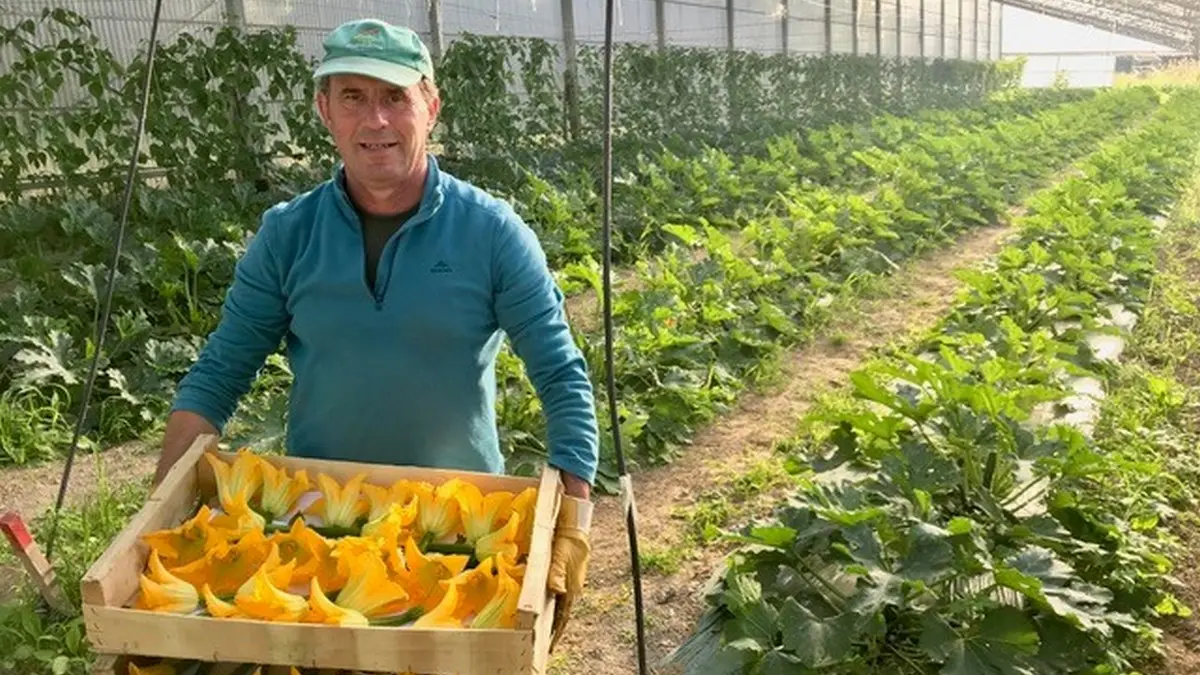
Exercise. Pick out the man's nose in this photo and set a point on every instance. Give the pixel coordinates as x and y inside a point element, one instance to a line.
<point>377,115</point>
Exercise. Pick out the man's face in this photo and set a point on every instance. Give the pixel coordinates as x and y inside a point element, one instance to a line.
<point>380,129</point>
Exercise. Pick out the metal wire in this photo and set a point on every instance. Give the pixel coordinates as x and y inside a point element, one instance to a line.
<point>110,284</point>
<point>626,484</point>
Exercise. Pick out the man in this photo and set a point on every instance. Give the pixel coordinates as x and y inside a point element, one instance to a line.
<point>393,284</point>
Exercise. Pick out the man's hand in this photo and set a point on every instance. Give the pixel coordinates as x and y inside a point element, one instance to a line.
<point>183,428</point>
<point>570,555</point>
<point>576,487</point>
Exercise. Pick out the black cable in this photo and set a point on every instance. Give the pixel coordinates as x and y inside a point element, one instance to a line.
<point>626,483</point>
<point>111,283</point>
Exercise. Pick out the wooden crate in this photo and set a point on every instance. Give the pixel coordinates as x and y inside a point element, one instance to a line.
<point>115,628</point>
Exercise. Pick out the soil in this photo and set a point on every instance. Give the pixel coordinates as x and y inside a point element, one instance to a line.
<point>30,491</point>
<point>601,638</point>
<point>1181,637</point>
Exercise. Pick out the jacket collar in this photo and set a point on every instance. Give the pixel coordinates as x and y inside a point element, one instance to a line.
<point>431,198</point>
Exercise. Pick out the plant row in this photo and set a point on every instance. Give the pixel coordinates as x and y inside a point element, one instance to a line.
<point>957,516</point>
<point>706,183</point>
<point>180,258</point>
<point>249,95</point>
<point>712,310</point>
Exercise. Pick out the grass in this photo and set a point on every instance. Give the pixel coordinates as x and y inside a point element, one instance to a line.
<point>33,639</point>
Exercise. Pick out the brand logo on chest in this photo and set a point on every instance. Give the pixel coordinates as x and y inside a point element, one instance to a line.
<point>441,267</point>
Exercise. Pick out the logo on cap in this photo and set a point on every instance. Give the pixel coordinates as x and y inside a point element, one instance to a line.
<point>366,35</point>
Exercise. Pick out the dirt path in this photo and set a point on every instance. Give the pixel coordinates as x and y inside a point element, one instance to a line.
<point>32,490</point>
<point>601,639</point>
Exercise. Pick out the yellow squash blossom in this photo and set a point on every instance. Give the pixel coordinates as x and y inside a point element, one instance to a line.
<point>424,574</point>
<point>278,572</point>
<point>501,611</point>
<point>438,515</point>
<point>304,547</point>
<point>340,505</point>
<point>165,592</point>
<point>322,610</point>
<point>474,589</point>
<point>502,542</point>
<point>393,521</point>
<point>227,566</point>
<point>368,589</point>
<point>442,614</point>
<point>238,521</point>
<point>263,600</point>
<point>279,490</point>
<point>482,514</point>
<point>218,607</point>
<point>236,483</point>
<point>186,543</point>
<point>524,505</point>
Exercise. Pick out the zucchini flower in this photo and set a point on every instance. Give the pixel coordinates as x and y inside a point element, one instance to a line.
<point>340,505</point>
<point>304,547</point>
<point>368,589</point>
<point>280,491</point>
<point>442,615</point>
<point>227,566</point>
<point>236,484</point>
<point>482,514</point>
<point>322,610</point>
<point>525,504</point>
<point>502,542</point>
<point>238,521</point>
<point>425,573</point>
<point>165,592</point>
<point>474,588</point>
<point>501,611</point>
<point>186,543</point>
<point>261,599</point>
<point>218,607</point>
<point>438,516</point>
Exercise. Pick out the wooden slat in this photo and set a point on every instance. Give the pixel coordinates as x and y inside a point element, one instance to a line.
<point>378,474</point>
<point>541,635</point>
<point>537,564</point>
<point>388,649</point>
<point>113,579</point>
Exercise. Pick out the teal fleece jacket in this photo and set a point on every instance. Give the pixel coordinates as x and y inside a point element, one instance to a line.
<point>403,374</point>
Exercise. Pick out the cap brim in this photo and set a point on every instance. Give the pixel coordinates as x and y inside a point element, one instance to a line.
<point>393,73</point>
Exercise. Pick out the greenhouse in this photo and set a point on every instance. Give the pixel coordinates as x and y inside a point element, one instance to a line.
<point>687,337</point>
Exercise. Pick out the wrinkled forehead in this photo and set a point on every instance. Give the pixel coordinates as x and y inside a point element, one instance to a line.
<point>342,83</point>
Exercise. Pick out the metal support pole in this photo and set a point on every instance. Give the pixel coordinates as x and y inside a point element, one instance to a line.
<point>435,30</point>
<point>922,30</point>
<point>990,21</point>
<point>828,26</point>
<point>571,72</point>
<point>942,29</point>
<point>660,23</point>
<point>879,27</point>
<point>783,26</point>
<point>854,5</point>
<point>899,29</point>
<point>961,29</point>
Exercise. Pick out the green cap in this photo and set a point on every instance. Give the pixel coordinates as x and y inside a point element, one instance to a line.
<point>376,49</point>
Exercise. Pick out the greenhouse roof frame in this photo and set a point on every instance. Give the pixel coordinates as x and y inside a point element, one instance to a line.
<point>1171,23</point>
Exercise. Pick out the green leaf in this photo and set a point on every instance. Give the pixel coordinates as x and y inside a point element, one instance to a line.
<point>937,637</point>
<point>816,642</point>
<point>60,665</point>
<point>777,662</point>
<point>930,556</point>
<point>1010,626</point>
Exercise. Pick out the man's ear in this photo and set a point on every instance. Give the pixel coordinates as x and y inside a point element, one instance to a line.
<point>435,107</point>
<point>322,101</point>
